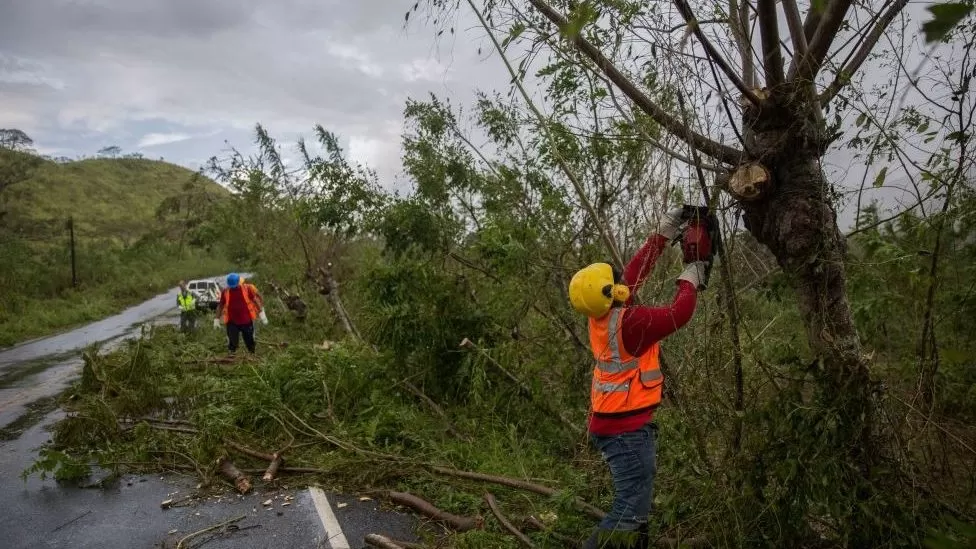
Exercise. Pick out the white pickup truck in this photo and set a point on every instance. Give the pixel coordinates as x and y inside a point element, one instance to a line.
<point>207,293</point>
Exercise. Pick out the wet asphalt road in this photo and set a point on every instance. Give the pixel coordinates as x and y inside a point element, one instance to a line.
<point>126,513</point>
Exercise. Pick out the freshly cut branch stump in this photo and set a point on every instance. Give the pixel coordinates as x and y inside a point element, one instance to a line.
<point>229,470</point>
<point>275,460</point>
<point>749,181</point>
<point>272,471</point>
<point>424,507</point>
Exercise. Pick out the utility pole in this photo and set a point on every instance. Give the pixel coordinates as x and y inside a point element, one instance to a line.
<point>71,232</point>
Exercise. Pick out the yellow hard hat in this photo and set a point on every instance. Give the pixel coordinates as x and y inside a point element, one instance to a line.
<point>593,290</point>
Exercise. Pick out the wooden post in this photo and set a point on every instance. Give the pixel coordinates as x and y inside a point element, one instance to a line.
<point>71,233</point>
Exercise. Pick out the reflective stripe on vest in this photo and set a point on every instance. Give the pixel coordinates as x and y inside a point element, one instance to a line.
<point>622,383</point>
<point>246,290</point>
<point>615,365</point>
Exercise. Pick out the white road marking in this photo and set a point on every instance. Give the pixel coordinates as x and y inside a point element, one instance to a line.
<point>337,540</point>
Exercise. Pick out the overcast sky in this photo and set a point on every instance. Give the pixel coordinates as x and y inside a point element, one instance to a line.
<point>178,78</point>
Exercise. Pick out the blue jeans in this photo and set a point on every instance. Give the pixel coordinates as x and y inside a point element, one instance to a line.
<point>631,457</point>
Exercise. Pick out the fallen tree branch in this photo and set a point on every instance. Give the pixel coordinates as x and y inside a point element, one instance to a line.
<point>227,468</point>
<point>247,451</point>
<point>520,484</point>
<point>226,523</point>
<point>382,542</point>
<point>163,427</point>
<point>170,503</point>
<point>433,406</point>
<point>422,506</point>
<point>495,510</point>
<point>272,471</point>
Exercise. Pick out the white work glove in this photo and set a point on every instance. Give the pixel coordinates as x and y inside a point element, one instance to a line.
<point>263,317</point>
<point>216,323</point>
<point>670,224</point>
<point>696,272</point>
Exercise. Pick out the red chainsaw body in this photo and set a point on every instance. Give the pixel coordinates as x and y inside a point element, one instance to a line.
<point>696,245</point>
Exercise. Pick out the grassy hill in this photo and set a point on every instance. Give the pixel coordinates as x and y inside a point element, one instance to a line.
<point>138,226</point>
<point>108,198</point>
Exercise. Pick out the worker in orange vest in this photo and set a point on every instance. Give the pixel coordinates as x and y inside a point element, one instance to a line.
<point>240,305</point>
<point>627,381</point>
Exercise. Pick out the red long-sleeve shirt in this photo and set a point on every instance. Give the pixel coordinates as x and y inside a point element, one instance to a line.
<point>642,327</point>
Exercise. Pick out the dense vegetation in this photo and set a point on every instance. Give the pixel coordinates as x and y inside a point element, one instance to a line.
<point>139,226</point>
<point>778,429</point>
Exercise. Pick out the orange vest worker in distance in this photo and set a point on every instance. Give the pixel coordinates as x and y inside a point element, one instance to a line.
<point>240,304</point>
<point>627,382</point>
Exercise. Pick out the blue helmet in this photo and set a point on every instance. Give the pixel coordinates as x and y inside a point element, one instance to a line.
<point>233,279</point>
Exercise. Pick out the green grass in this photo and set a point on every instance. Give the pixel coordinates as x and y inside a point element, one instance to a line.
<point>33,317</point>
<point>114,198</point>
<point>137,233</point>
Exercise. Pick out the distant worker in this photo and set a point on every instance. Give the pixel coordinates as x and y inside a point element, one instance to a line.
<point>187,304</point>
<point>627,380</point>
<point>240,304</point>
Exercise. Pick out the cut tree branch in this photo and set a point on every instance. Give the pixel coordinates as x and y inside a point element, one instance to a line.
<point>845,74</point>
<point>455,522</point>
<point>381,542</point>
<point>718,151</point>
<point>229,470</point>
<point>769,31</point>
<point>810,64</point>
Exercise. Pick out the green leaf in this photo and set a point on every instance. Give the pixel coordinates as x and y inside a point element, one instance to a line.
<point>579,18</point>
<point>958,136</point>
<point>819,6</point>
<point>879,180</point>
<point>861,119</point>
<point>944,18</point>
<point>513,34</point>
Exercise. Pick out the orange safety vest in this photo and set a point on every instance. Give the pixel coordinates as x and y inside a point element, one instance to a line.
<point>247,293</point>
<point>622,384</point>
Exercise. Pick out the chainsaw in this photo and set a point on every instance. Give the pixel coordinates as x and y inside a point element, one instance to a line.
<point>701,239</point>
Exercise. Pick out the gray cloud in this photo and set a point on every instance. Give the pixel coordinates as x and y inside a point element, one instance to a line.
<point>80,75</point>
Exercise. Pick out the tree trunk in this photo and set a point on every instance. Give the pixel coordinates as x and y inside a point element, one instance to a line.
<point>796,219</point>
<point>799,225</point>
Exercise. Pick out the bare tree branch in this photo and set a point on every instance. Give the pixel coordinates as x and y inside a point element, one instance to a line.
<point>809,65</point>
<point>847,72</point>
<point>812,21</point>
<point>769,31</point>
<point>723,153</point>
<point>797,35</point>
<point>739,23</point>
<point>712,52</point>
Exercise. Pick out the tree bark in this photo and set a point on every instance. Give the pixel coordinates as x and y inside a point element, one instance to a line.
<point>799,225</point>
